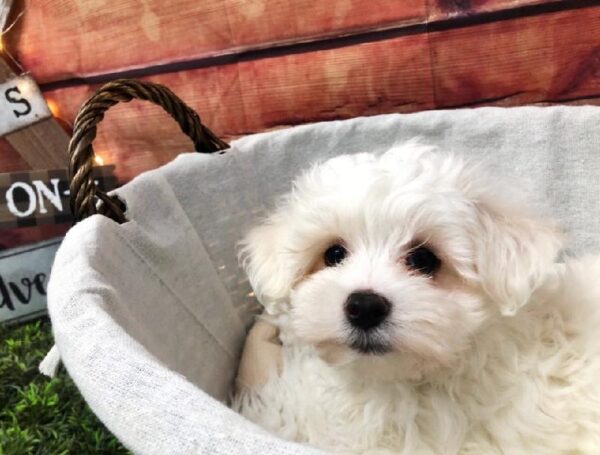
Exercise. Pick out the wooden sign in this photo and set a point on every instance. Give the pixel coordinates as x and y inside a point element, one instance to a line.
<point>21,104</point>
<point>34,198</point>
<point>24,274</point>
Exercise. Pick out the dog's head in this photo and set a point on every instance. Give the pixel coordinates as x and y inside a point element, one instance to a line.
<point>401,257</point>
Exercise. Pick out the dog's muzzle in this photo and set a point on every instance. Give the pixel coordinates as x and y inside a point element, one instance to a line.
<point>367,313</point>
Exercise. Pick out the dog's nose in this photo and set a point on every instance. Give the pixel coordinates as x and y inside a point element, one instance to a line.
<point>366,310</point>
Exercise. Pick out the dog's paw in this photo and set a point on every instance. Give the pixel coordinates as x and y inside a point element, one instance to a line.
<point>261,358</point>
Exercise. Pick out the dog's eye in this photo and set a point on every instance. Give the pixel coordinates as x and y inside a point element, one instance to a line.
<point>423,260</point>
<point>334,255</point>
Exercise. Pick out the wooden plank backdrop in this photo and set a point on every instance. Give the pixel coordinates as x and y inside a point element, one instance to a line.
<point>551,57</point>
<point>450,9</point>
<point>249,66</point>
<point>82,38</point>
<point>10,160</point>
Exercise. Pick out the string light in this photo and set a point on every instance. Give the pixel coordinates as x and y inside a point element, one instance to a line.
<point>53,108</point>
<point>4,32</point>
<point>98,160</point>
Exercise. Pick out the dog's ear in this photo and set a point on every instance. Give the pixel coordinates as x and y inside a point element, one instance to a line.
<point>262,255</point>
<point>516,251</point>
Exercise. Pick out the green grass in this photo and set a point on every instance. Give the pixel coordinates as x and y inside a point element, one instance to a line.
<point>39,415</point>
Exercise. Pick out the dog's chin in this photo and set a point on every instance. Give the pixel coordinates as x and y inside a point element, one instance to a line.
<point>370,355</point>
<point>358,345</point>
<point>368,343</point>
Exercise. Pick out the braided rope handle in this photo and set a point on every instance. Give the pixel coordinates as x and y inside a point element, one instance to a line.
<point>84,193</point>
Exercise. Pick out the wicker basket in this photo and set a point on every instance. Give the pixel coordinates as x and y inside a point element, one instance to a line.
<point>149,306</point>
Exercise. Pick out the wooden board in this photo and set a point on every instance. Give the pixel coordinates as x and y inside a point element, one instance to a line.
<point>536,56</point>
<point>191,31</point>
<point>389,76</point>
<point>41,197</point>
<point>10,160</point>
<point>12,238</point>
<point>77,38</point>
<point>450,9</point>
<point>513,62</point>
<point>43,144</point>
<point>24,274</point>
<point>594,101</point>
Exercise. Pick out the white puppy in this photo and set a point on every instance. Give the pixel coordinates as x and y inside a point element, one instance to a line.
<point>421,309</point>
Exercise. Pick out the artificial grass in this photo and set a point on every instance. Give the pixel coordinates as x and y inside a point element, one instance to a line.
<point>39,415</point>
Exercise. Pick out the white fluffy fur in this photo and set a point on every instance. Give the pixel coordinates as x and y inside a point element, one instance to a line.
<point>499,353</point>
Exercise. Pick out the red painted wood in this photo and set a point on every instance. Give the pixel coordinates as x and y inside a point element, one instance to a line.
<point>448,9</point>
<point>512,62</point>
<point>12,238</point>
<point>10,160</point>
<point>389,76</point>
<point>534,59</point>
<point>58,40</point>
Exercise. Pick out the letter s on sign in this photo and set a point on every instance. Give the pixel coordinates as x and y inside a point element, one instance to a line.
<point>16,100</point>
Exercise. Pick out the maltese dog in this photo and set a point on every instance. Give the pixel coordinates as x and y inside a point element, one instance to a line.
<point>421,309</point>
